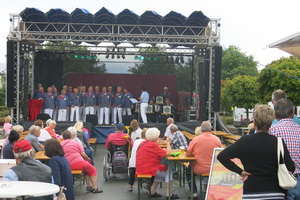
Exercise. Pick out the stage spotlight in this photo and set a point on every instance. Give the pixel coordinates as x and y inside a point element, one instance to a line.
<point>82,57</point>
<point>149,58</point>
<point>142,58</point>
<point>76,56</point>
<point>118,56</point>
<point>107,56</point>
<point>167,59</point>
<point>89,57</point>
<point>177,60</point>
<point>155,58</point>
<point>181,59</point>
<point>112,56</point>
<point>95,57</point>
<point>136,57</point>
<point>123,56</point>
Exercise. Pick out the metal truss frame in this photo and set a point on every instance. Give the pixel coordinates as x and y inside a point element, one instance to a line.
<point>30,37</point>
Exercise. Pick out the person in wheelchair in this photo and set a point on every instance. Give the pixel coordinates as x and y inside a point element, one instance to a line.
<point>118,138</point>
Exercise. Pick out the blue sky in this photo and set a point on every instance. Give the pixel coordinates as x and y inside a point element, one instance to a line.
<point>251,25</point>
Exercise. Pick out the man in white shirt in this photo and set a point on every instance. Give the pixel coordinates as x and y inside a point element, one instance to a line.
<point>170,122</point>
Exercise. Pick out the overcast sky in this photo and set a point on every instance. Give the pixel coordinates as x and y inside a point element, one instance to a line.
<point>251,25</point>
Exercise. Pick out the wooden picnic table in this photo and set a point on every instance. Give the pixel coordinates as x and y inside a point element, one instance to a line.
<point>1,142</point>
<point>233,137</point>
<point>40,155</point>
<point>220,133</point>
<point>162,143</point>
<point>188,135</point>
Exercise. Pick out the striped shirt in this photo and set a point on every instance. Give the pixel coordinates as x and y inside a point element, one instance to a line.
<point>289,131</point>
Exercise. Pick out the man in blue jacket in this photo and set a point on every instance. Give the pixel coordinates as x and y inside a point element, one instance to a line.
<point>62,104</point>
<point>118,101</point>
<point>104,100</point>
<point>49,102</point>
<point>75,101</point>
<point>89,102</point>
<point>127,102</point>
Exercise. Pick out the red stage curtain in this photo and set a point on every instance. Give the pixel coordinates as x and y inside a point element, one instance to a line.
<point>35,107</point>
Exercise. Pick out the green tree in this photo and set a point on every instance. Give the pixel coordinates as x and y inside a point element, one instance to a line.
<point>81,61</point>
<point>236,63</point>
<point>270,80</point>
<point>241,91</point>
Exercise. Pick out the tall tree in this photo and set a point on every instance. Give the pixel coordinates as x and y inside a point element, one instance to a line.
<point>274,78</point>
<point>2,89</point>
<point>236,63</point>
<point>241,91</point>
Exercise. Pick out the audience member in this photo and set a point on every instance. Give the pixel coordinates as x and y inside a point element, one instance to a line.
<point>258,153</point>
<point>61,171</point>
<point>148,161</point>
<point>7,124</point>
<point>202,147</point>
<point>51,124</point>
<point>288,130</point>
<point>118,138</point>
<point>28,169</point>
<point>178,140</point>
<point>276,96</point>
<point>73,132</point>
<point>170,122</point>
<point>32,137</point>
<point>18,128</point>
<point>75,155</point>
<point>82,137</point>
<point>198,130</point>
<point>135,130</point>
<point>132,159</point>
<point>8,149</point>
<point>44,134</point>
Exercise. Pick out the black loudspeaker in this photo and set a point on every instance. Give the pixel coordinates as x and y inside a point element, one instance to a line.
<point>217,79</point>
<point>43,117</point>
<point>10,102</point>
<point>92,119</point>
<point>127,119</point>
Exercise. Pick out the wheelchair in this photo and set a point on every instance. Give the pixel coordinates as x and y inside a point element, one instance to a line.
<point>108,168</point>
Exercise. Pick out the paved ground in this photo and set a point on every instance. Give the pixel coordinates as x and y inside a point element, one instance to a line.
<point>116,188</point>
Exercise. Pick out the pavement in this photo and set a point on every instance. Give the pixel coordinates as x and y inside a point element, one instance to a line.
<point>116,187</point>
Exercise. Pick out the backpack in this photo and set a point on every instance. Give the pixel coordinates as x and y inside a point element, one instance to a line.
<point>119,162</point>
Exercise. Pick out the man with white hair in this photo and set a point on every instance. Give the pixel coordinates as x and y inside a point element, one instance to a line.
<point>27,168</point>
<point>170,122</point>
<point>32,137</point>
<point>178,139</point>
<point>148,161</point>
<point>202,147</point>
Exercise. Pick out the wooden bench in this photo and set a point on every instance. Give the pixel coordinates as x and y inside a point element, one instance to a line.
<point>144,178</point>
<point>78,176</point>
<point>93,141</point>
<point>188,135</point>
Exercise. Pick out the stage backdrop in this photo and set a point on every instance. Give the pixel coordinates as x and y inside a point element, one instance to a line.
<point>154,83</point>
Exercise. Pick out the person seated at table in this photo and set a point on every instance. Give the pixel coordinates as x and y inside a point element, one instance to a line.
<point>198,130</point>
<point>82,137</point>
<point>8,149</point>
<point>51,124</point>
<point>170,122</point>
<point>135,130</point>
<point>132,159</point>
<point>44,134</point>
<point>7,126</point>
<point>167,103</point>
<point>32,137</point>
<point>19,130</point>
<point>28,169</point>
<point>202,147</point>
<point>148,161</point>
<point>73,131</point>
<point>77,159</point>
<point>118,138</point>
<point>178,140</point>
<point>61,171</point>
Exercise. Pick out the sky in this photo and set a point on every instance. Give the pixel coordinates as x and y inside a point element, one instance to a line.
<point>250,25</point>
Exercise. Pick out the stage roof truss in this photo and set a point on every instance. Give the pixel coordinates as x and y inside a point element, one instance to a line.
<point>116,33</point>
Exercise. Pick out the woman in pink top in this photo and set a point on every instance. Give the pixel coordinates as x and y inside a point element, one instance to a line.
<point>75,155</point>
<point>7,125</point>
